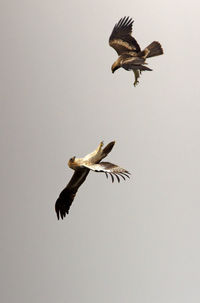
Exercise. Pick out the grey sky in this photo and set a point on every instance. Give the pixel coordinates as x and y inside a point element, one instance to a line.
<point>137,241</point>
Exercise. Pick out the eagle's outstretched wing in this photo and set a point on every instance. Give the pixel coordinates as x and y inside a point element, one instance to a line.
<point>66,197</point>
<point>109,169</point>
<point>121,39</point>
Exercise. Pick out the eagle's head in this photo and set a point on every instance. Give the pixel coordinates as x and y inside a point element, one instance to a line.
<point>115,66</point>
<point>71,162</point>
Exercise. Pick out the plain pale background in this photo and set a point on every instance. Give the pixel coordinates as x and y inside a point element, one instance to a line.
<point>137,241</point>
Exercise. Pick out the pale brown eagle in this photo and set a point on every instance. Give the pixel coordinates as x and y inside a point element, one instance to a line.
<point>82,166</point>
<point>130,55</point>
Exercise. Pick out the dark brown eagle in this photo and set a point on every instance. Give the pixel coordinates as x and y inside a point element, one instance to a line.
<point>130,55</point>
<point>82,166</point>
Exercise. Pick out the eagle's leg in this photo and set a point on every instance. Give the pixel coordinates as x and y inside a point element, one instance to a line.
<point>96,152</point>
<point>137,75</point>
<point>99,147</point>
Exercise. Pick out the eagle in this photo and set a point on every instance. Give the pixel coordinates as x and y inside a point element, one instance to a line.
<point>82,167</point>
<point>130,55</point>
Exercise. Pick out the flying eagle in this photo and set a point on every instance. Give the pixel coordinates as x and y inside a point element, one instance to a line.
<point>81,167</point>
<point>130,55</point>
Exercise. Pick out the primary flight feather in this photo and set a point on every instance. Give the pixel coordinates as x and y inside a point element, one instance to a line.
<point>82,166</point>
<point>130,55</point>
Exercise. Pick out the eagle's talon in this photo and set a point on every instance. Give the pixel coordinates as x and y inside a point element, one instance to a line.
<point>136,83</point>
<point>100,145</point>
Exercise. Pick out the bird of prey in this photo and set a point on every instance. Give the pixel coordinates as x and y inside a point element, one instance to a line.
<point>130,55</point>
<point>81,167</point>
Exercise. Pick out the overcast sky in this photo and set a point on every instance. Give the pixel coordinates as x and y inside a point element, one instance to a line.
<point>137,241</point>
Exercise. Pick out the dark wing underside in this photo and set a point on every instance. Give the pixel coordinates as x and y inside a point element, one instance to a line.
<point>67,196</point>
<point>121,39</point>
<point>110,169</point>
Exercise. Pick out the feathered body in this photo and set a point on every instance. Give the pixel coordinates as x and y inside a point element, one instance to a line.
<point>82,166</point>
<point>130,55</point>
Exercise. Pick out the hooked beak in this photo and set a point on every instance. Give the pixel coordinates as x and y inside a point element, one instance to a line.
<point>114,68</point>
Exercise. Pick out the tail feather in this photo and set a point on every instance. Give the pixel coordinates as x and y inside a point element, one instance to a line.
<point>152,50</point>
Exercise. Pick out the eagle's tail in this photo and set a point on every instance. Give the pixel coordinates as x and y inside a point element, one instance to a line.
<point>152,50</point>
